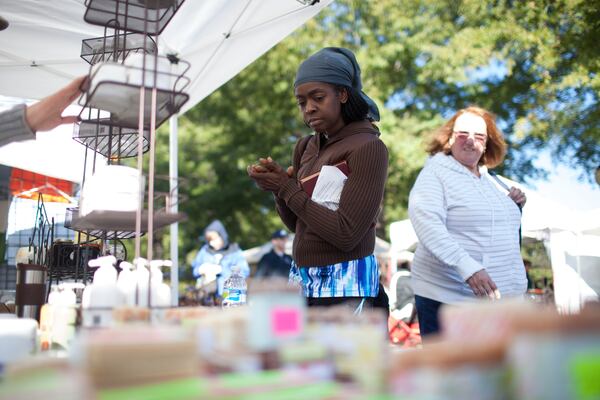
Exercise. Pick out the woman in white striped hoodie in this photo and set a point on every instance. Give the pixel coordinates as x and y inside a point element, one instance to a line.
<point>468,228</point>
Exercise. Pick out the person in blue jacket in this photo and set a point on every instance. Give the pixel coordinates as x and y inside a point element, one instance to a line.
<point>218,251</point>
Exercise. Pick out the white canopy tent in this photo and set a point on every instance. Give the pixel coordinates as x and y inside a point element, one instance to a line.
<point>40,52</point>
<point>572,237</point>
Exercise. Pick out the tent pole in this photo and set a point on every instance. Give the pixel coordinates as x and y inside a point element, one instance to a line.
<point>174,228</point>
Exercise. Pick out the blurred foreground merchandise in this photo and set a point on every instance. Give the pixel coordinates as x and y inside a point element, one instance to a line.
<point>505,350</point>
<point>492,350</point>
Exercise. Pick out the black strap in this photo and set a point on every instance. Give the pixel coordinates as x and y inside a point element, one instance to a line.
<point>495,176</point>
<point>505,186</point>
<point>302,145</point>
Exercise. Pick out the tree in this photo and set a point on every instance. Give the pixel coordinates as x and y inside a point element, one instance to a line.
<point>533,63</point>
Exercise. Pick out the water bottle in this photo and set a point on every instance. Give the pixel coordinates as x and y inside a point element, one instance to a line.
<point>234,289</point>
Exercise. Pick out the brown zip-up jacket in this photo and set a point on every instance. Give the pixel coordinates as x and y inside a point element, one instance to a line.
<point>324,236</point>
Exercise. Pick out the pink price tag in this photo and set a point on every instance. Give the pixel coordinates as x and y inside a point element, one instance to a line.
<point>285,321</point>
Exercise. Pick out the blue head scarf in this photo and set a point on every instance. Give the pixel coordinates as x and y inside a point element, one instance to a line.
<point>337,66</point>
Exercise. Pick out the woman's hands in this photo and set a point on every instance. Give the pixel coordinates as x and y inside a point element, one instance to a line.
<point>269,175</point>
<point>517,196</point>
<point>483,285</point>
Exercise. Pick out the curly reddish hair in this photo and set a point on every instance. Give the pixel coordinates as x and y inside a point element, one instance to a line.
<point>495,148</point>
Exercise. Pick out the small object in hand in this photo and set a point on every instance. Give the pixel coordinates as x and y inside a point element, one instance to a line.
<point>259,168</point>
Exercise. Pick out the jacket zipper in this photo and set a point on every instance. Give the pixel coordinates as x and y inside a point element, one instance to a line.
<point>312,164</point>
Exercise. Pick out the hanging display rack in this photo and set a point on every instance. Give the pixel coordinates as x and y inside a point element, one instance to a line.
<point>129,93</point>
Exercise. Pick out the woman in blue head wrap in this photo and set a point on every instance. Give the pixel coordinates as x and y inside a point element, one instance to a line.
<point>334,234</point>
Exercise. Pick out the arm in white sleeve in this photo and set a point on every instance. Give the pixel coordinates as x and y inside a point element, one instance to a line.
<point>427,211</point>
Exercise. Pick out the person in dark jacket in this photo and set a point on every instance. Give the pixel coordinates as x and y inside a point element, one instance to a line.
<point>275,263</point>
<point>334,237</point>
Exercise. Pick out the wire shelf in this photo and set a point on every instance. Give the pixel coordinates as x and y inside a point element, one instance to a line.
<point>99,233</point>
<point>105,220</point>
<point>109,139</point>
<point>69,261</point>
<point>73,215</point>
<point>103,48</point>
<point>129,88</point>
<point>116,88</point>
<point>143,16</point>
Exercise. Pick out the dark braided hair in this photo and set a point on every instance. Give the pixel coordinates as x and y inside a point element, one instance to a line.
<point>356,108</point>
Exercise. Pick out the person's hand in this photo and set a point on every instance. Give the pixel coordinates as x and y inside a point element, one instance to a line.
<point>262,165</point>
<point>269,175</point>
<point>268,165</point>
<point>269,181</point>
<point>517,196</point>
<point>46,114</point>
<point>483,285</point>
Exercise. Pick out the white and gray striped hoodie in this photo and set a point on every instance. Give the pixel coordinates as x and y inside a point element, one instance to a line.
<point>13,127</point>
<point>464,223</point>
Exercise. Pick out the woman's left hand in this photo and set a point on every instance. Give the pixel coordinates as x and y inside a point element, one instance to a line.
<point>517,196</point>
<point>268,175</point>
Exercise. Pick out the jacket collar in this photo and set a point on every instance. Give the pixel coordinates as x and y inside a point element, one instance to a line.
<point>447,161</point>
<point>348,130</point>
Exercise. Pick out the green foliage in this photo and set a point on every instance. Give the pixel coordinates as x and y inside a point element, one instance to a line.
<point>537,262</point>
<point>534,63</point>
<point>541,278</point>
<point>535,253</point>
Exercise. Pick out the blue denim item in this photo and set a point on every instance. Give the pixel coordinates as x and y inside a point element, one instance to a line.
<point>428,312</point>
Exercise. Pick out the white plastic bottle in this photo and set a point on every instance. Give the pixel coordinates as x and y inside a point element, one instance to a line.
<point>161,292</point>
<point>102,295</point>
<point>234,289</point>
<point>105,293</point>
<point>142,276</point>
<point>126,283</point>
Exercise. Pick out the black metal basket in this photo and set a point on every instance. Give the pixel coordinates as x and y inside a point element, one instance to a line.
<point>143,16</point>
<point>72,219</point>
<point>116,88</point>
<point>69,261</point>
<point>109,139</point>
<point>116,47</point>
